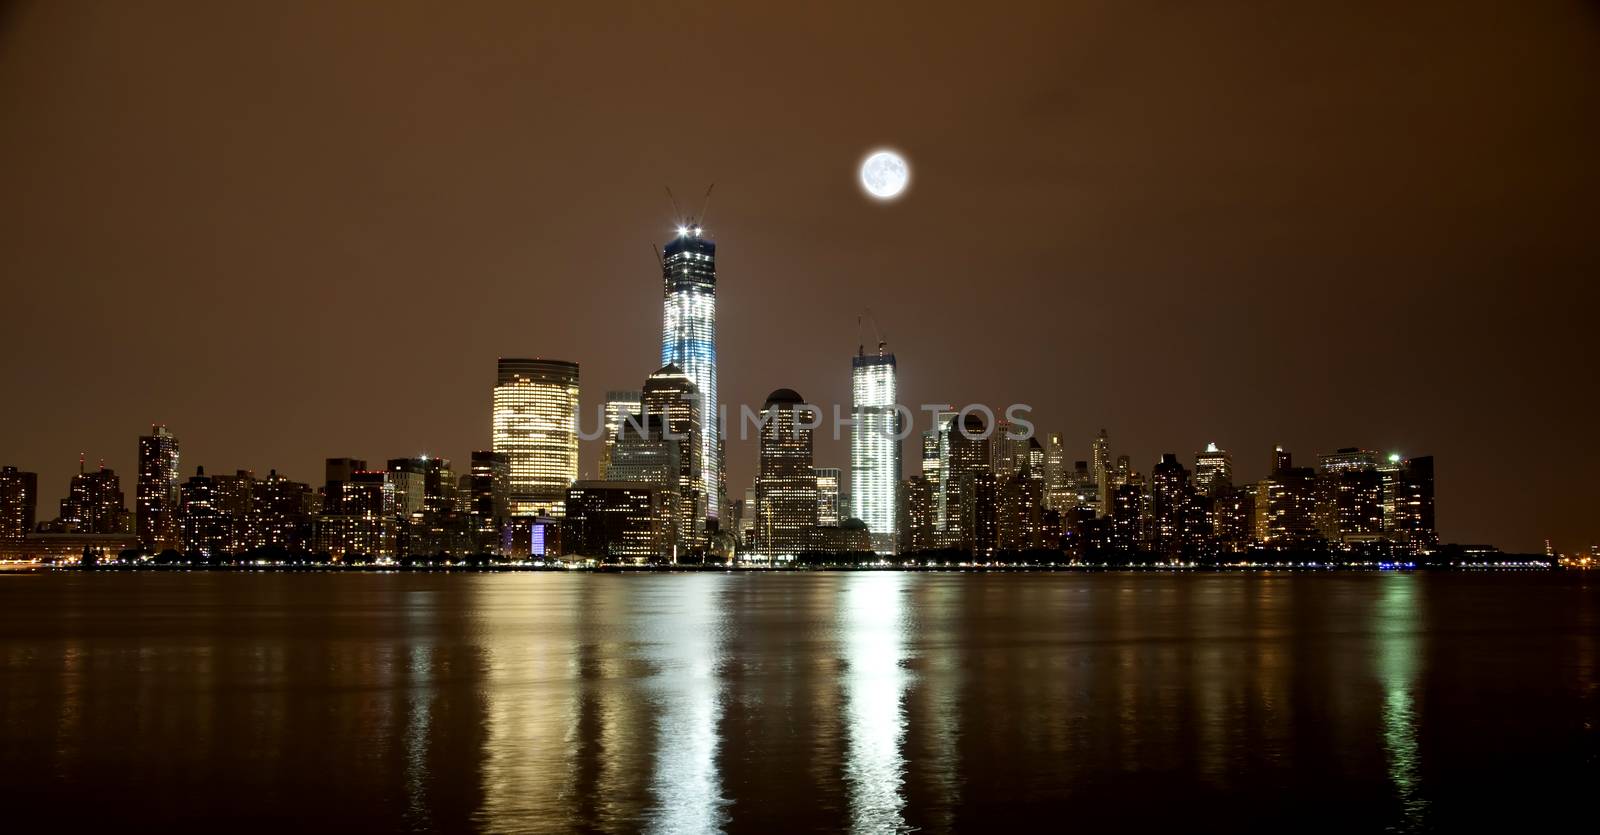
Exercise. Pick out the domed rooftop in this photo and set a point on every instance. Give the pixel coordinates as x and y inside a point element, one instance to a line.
<point>853,524</point>
<point>785,397</point>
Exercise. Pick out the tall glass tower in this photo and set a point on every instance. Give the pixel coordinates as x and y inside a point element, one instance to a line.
<point>875,446</point>
<point>689,339</point>
<point>535,427</point>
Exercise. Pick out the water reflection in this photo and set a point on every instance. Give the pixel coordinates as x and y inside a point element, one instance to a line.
<point>873,702</point>
<point>1396,620</point>
<point>873,621</point>
<point>684,640</point>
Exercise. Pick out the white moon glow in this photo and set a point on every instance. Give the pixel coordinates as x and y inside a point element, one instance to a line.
<point>885,174</point>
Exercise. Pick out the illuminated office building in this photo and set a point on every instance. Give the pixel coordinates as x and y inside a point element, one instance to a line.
<point>1213,471</point>
<point>689,339</point>
<point>936,467</point>
<point>875,446</point>
<point>786,485</point>
<point>1008,453</point>
<point>1350,496</point>
<point>407,476</point>
<point>620,405</point>
<point>1100,467</point>
<point>19,503</point>
<point>535,426</point>
<point>1057,478</point>
<point>828,496</point>
<point>672,396</point>
<point>619,521</point>
<point>1347,459</point>
<point>156,491</point>
<point>1285,504</point>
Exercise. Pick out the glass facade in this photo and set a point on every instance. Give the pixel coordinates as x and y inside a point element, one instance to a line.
<point>689,339</point>
<point>875,447</point>
<point>535,427</point>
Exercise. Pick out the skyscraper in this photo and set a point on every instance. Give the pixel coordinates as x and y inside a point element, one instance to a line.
<point>620,521</point>
<point>156,491</point>
<point>1057,478</point>
<point>969,506</point>
<point>490,486</point>
<point>786,486</point>
<point>1409,491</point>
<point>875,446</point>
<point>1100,466</point>
<point>19,503</point>
<point>94,503</point>
<point>535,426</point>
<point>1008,451</point>
<point>916,515</point>
<point>620,405</point>
<point>669,394</point>
<point>936,466</point>
<point>689,339</point>
<point>828,496</point>
<point>1213,471</point>
<point>204,527</point>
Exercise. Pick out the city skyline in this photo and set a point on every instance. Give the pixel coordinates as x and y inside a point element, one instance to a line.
<point>222,252</point>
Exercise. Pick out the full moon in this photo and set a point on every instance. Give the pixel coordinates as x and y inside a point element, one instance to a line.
<point>885,174</point>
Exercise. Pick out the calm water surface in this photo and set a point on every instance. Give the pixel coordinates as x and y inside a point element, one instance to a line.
<point>872,702</point>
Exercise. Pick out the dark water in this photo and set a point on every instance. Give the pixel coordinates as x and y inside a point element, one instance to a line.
<point>864,702</point>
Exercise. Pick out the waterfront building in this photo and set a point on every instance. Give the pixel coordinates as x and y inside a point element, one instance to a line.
<point>94,503</point>
<point>156,491</point>
<point>279,513</point>
<point>918,531</point>
<point>875,445</point>
<point>1285,505</point>
<point>620,521</point>
<point>689,340</point>
<point>233,496</point>
<point>786,486</point>
<point>1171,506</point>
<point>205,528</point>
<point>19,503</point>
<point>488,505</point>
<point>1410,493</point>
<point>535,426</point>
<point>674,397</point>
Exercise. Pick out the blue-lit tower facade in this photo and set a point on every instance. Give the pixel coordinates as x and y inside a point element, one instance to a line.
<point>689,339</point>
<point>875,446</point>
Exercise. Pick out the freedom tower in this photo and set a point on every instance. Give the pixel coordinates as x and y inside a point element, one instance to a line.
<point>689,338</point>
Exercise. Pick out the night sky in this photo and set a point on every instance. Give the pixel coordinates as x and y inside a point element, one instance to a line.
<point>299,230</point>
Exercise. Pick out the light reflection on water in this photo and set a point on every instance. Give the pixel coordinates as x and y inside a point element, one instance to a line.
<point>871,702</point>
<point>873,621</point>
<point>1398,617</point>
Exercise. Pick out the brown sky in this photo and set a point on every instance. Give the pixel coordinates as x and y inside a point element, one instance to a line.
<point>294,230</point>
